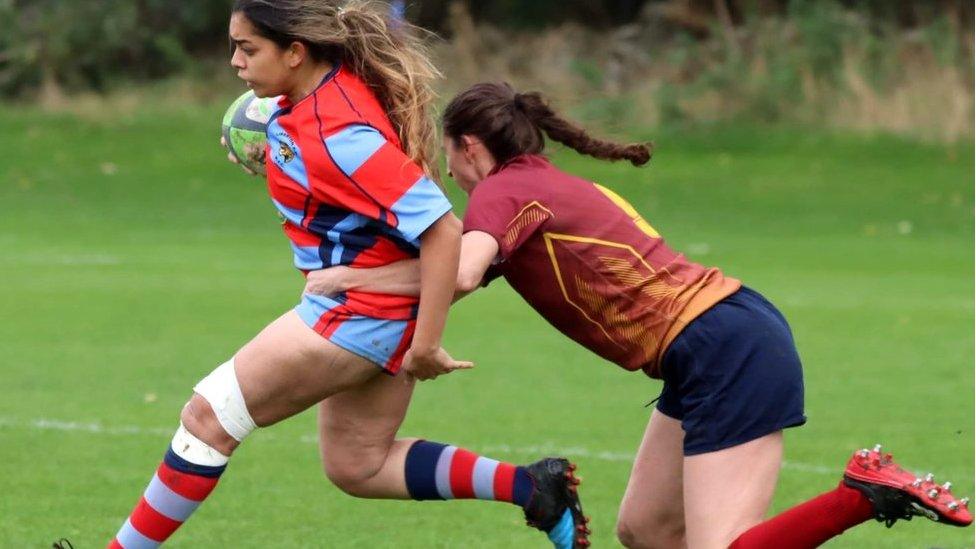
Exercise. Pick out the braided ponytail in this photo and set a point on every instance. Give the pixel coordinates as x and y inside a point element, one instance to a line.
<point>575,137</point>
<point>511,124</point>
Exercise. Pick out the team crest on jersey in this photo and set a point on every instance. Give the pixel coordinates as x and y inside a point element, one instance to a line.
<point>283,148</point>
<point>285,152</point>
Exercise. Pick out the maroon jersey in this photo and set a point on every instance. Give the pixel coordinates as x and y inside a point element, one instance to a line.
<point>583,258</point>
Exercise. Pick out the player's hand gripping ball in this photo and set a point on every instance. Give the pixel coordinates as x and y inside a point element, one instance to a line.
<point>243,130</point>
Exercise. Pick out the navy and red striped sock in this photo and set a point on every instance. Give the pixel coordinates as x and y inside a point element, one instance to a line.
<point>440,471</point>
<point>176,490</point>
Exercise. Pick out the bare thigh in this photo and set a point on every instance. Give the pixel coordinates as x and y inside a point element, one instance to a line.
<point>728,491</point>
<point>288,368</point>
<point>284,370</point>
<point>357,437</point>
<point>651,514</point>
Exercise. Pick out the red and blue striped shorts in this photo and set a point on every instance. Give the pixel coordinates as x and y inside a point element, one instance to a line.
<point>381,341</point>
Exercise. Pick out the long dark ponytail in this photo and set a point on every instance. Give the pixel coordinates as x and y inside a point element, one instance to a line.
<point>511,124</point>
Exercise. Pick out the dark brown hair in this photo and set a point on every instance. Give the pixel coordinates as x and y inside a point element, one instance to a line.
<point>512,124</point>
<point>391,58</point>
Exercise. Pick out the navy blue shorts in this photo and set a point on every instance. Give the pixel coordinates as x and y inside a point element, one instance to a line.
<point>733,375</point>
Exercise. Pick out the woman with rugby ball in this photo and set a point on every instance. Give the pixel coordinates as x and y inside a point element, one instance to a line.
<point>347,154</point>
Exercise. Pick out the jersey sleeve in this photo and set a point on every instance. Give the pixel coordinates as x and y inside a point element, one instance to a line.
<point>382,182</point>
<point>494,271</point>
<point>506,214</point>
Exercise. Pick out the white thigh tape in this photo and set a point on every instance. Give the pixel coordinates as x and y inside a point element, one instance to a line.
<point>222,391</point>
<point>195,450</point>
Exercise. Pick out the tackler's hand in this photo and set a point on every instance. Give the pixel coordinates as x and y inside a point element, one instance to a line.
<point>327,282</point>
<point>429,365</point>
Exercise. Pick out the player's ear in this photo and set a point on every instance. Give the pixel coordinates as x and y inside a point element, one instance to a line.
<point>295,53</point>
<point>467,142</point>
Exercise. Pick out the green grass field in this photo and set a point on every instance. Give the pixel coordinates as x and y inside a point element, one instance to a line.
<point>134,259</point>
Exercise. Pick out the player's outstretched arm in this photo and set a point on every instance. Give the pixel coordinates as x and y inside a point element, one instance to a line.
<point>478,250</point>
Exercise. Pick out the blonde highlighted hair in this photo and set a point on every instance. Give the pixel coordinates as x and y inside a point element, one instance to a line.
<point>390,56</point>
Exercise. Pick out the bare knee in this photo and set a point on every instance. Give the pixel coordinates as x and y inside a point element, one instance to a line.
<point>661,532</point>
<point>200,420</point>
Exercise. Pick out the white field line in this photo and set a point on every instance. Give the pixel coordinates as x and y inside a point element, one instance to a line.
<point>46,424</point>
<point>67,259</point>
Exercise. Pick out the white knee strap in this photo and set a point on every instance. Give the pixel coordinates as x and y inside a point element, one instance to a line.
<point>222,391</point>
<point>195,450</point>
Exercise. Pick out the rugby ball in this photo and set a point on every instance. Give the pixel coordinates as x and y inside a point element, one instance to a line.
<point>244,127</point>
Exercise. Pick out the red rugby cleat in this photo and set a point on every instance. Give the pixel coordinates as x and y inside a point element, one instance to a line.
<point>897,494</point>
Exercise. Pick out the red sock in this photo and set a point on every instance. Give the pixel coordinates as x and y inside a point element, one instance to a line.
<point>811,523</point>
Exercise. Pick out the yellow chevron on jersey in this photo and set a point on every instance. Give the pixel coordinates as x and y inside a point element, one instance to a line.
<point>629,210</point>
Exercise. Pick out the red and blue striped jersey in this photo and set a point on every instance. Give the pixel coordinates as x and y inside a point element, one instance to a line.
<point>346,191</point>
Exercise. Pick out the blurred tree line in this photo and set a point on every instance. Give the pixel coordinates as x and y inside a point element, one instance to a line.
<point>693,15</point>
<point>52,47</point>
